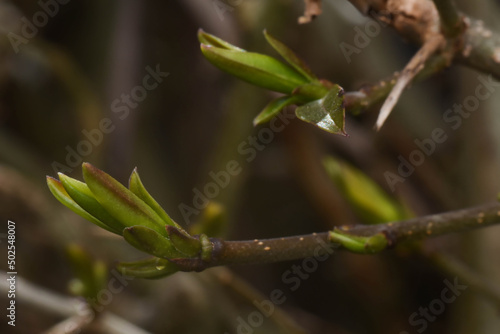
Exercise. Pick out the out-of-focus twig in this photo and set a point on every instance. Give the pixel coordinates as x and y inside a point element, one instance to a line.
<point>229,279</point>
<point>75,310</point>
<point>71,325</point>
<point>482,285</point>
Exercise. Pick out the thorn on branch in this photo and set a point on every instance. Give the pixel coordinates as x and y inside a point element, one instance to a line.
<point>414,66</point>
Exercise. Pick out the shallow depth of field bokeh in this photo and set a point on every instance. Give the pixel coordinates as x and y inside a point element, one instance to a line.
<point>78,70</point>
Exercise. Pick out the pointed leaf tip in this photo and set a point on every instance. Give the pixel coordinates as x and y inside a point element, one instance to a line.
<point>120,202</point>
<point>57,189</point>
<point>82,195</point>
<point>211,40</point>
<point>137,187</point>
<point>290,56</point>
<point>183,242</point>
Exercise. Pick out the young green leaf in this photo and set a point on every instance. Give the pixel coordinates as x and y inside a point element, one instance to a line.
<point>273,108</point>
<point>255,68</point>
<point>290,57</point>
<point>151,242</point>
<point>82,195</point>
<point>152,268</point>
<point>311,91</point>
<point>358,244</point>
<point>136,186</point>
<point>184,243</point>
<point>327,113</point>
<point>57,189</point>
<point>120,202</point>
<point>209,39</point>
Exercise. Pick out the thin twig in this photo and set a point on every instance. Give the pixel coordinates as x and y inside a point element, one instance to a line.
<point>416,64</point>
<point>303,246</point>
<point>359,101</point>
<point>239,286</point>
<point>52,302</point>
<point>71,325</point>
<point>485,287</point>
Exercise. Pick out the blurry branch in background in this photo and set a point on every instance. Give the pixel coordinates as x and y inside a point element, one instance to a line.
<point>227,278</point>
<point>487,288</point>
<point>77,313</point>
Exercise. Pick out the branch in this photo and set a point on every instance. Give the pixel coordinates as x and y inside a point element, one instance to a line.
<point>227,278</point>
<point>468,43</point>
<point>451,20</point>
<point>369,238</point>
<point>359,101</point>
<point>147,227</point>
<point>474,45</point>
<point>481,49</point>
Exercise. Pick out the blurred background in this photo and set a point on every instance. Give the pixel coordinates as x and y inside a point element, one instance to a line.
<point>60,80</point>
